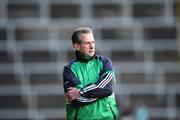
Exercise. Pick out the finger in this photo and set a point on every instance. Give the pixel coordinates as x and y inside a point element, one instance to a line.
<point>70,88</point>
<point>67,95</point>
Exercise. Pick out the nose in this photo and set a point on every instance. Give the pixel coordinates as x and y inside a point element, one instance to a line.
<point>91,45</point>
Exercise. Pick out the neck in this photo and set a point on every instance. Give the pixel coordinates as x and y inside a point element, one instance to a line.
<point>83,57</point>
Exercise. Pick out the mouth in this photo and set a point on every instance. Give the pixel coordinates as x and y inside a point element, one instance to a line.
<point>91,51</point>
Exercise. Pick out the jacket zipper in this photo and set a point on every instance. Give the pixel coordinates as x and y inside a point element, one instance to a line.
<point>114,116</point>
<point>76,114</point>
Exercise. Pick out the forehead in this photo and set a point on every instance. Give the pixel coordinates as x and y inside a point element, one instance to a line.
<point>87,37</point>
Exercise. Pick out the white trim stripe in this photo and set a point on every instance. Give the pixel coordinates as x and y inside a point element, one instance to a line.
<point>93,85</point>
<point>83,99</point>
<point>102,84</point>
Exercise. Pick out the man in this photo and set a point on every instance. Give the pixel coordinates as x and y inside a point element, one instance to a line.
<point>88,81</point>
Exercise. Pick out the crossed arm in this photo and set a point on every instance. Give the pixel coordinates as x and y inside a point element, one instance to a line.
<point>90,93</point>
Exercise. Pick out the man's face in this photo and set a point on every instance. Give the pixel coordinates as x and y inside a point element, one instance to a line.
<point>87,45</point>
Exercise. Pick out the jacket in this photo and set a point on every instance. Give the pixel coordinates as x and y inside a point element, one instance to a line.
<point>94,77</point>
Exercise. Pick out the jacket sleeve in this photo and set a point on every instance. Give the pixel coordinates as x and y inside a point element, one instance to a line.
<point>70,80</point>
<point>104,86</point>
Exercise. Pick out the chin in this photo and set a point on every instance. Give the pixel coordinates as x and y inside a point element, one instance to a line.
<point>91,55</point>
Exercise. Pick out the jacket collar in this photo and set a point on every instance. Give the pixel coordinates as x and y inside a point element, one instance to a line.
<point>84,57</point>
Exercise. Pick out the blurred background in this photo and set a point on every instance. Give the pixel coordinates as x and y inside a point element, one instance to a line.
<point>140,36</point>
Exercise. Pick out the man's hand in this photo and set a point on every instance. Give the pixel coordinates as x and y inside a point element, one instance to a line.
<point>72,94</point>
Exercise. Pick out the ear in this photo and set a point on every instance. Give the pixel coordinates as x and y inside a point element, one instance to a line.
<point>76,46</point>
